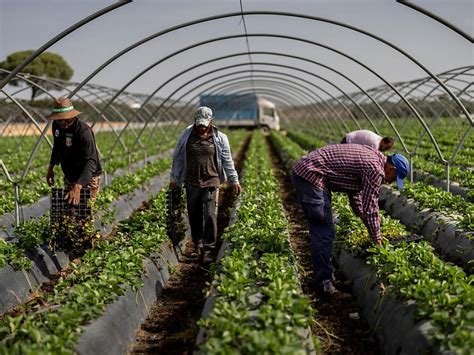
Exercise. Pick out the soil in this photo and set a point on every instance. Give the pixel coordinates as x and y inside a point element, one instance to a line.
<point>171,327</point>
<point>337,331</point>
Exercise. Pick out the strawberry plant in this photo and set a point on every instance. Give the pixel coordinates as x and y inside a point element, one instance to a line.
<point>436,199</point>
<point>104,273</point>
<point>259,307</point>
<point>33,233</point>
<point>443,293</point>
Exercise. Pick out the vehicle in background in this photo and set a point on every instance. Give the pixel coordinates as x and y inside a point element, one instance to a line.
<point>246,110</point>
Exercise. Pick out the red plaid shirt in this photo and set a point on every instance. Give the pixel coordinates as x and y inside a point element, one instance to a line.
<point>355,169</point>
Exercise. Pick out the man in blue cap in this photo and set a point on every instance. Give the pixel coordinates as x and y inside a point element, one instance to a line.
<point>359,171</point>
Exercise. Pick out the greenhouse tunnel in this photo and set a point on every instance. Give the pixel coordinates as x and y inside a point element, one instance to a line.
<point>322,70</point>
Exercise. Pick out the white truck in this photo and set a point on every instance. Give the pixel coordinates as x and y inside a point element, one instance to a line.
<point>247,110</point>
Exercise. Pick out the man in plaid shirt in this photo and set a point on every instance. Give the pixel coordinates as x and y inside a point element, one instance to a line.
<point>355,169</point>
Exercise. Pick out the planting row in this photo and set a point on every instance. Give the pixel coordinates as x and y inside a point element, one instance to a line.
<point>15,151</point>
<point>115,203</point>
<point>426,158</point>
<point>81,294</point>
<point>34,186</point>
<point>449,227</point>
<point>420,303</point>
<point>438,296</point>
<point>258,305</point>
<point>33,233</point>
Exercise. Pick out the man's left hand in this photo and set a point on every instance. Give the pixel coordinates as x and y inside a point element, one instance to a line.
<point>73,196</point>
<point>237,189</point>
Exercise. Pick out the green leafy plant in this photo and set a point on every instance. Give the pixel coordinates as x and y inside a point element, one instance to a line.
<point>259,307</point>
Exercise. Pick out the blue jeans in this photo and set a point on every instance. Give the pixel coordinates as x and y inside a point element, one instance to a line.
<point>316,206</point>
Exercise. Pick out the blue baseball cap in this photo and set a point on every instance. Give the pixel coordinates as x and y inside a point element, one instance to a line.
<point>403,167</point>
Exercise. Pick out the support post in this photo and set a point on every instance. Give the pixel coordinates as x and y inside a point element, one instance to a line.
<point>16,188</point>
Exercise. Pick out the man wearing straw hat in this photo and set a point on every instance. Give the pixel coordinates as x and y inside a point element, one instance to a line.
<point>75,149</point>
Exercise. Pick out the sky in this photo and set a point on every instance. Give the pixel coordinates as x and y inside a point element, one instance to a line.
<point>28,24</point>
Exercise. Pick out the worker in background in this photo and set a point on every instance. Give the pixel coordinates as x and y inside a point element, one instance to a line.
<point>355,169</point>
<point>366,137</point>
<point>202,160</point>
<point>75,149</point>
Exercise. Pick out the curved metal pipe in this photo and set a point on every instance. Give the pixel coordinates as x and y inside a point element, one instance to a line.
<point>317,44</point>
<point>61,36</point>
<point>216,70</point>
<point>286,14</point>
<point>436,18</point>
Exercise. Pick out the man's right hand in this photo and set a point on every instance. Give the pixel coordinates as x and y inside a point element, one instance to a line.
<point>173,185</point>
<point>50,176</point>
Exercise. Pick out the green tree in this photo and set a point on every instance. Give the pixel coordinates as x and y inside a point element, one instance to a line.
<point>47,64</point>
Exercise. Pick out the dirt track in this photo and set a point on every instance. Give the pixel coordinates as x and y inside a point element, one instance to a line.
<point>171,327</point>
<point>338,332</point>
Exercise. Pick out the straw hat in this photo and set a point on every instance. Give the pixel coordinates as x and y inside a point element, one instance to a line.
<point>63,110</point>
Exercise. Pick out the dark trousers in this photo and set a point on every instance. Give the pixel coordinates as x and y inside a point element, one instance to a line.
<point>202,213</point>
<point>316,206</point>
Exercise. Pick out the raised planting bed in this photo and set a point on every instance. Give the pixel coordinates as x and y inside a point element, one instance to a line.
<point>24,275</point>
<point>430,171</point>
<point>42,206</point>
<point>33,187</point>
<point>256,303</point>
<point>97,306</point>
<point>450,232</point>
<point>414,301</point>
<point>454,187</point>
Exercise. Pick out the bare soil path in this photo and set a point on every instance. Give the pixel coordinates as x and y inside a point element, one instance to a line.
<point>338,332</point>
<point>171,327</point>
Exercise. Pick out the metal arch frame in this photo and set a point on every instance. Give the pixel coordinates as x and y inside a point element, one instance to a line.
<point>60,36</point>
<point>300,58</point>
<point>90,92</point>
<point>314,107</point>
<point>278,36</point>
<point>175,91</point>
<point>286,14</point>
<point>285,100</point>
<point>104,91</point>
<point>110,92</point>
<point>302,97</point>
<point>185,94</point>
<point>65,88</point>
<point>62,86</point>
<point>321,45</point>
<point>420,83</point>
<point>437,115</point>
<point>436,18</point>
<point>114,109</point>
<point>385,91</point>
<point>43,133</point>
<point>416,87</point>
